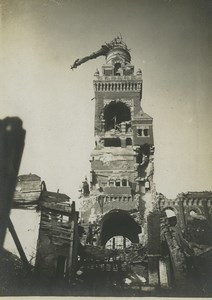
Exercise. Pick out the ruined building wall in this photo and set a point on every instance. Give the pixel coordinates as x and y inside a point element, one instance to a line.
<point>57,241</point>
<point>122,162</point>
<point>193,212</point>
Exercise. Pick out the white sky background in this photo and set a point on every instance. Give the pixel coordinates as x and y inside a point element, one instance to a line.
<point>171,41</point>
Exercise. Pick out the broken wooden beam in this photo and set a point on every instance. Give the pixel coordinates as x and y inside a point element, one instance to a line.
<point>12,138</point>
<point>19,246</point>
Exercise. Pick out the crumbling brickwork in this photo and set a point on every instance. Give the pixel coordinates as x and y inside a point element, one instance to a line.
<point>191,208</point>
<point>122,162</point>
<point>122,203</point>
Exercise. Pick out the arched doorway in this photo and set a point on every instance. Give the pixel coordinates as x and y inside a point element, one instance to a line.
<point>118,224</point>
<point>115,113</point>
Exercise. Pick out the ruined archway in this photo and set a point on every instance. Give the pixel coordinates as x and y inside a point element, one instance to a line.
<point>115,113</point>
<point>171,216</point>
<point>118,242</point>
<point>119,223</point>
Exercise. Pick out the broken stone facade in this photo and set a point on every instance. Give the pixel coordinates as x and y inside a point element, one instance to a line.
<point>188,211</point>
<point>122,166</point>
<point>122,207</point>
<point>186,240</point>
<point>127,236</point>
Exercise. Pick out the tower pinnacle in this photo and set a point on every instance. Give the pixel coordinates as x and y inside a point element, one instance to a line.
<point>110,50</point>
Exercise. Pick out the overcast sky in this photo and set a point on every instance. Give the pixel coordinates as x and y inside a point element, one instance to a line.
<point>170,40</point>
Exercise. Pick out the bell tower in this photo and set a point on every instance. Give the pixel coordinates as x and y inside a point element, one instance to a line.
<point>122,167</point>
<point>123,132</point>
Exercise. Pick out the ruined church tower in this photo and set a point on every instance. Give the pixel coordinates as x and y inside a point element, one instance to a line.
<point>122,161</point>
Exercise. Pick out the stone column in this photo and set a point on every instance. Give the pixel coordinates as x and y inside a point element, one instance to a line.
<point>206,212</point>
<point>164,270</point>
<point>153,230</point>
<point>103,125</point>
<point>123,127</point>
<point>123,143</point>
<point>153,270</point>
<point>181,214</point>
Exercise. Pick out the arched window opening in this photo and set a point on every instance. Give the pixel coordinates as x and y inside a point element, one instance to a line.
<point>139,132</point>
<point>115,113</point>
<point>193,213</point>
<point>128,142</point>
<point>118,242</point>
<point>117,69</point>
<point>111,183</point>
<point>142,132</point>
<point>196,213</point>
<point>128,126</point>
<point>124,182</point>
<point>146,132</point>
<point>171,217</point>
<point>118,182</point>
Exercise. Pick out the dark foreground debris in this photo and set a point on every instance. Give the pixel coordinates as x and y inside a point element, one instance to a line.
<point>14,278</point>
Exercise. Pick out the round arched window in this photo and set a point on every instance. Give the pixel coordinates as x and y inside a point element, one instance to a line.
<point>171,216</point>
<point>118,242</point>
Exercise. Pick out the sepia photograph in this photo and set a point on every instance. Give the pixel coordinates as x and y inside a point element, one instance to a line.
<point>106,148</point>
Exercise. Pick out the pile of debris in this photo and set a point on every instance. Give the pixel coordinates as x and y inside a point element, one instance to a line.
<point>13,276</point>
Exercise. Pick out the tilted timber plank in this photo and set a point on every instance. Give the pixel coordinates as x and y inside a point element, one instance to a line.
<point>19,246</point>
<point>12,138</point>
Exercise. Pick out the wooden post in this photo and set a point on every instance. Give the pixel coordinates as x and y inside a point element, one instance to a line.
<point>153,230</point>
<point>71,251</point>
<point>72,246</point>
<point>18,245</point>
<point>11,148</point>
